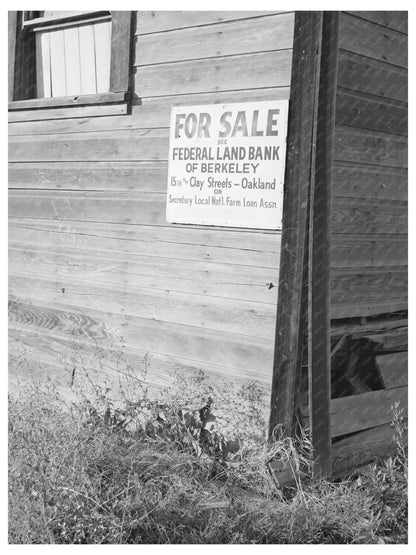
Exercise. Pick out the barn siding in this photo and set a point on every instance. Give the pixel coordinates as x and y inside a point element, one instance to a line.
<point>92,259</point>
<point>369,224</point>
<point>369,197</point>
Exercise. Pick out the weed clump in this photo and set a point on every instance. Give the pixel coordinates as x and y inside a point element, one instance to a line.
<point>190,466</point>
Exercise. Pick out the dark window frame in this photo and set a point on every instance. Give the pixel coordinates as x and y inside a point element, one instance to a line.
<point>22,79</point>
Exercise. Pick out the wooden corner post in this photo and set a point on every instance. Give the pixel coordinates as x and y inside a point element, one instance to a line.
<point>319,348</point>
<point>299,175</point>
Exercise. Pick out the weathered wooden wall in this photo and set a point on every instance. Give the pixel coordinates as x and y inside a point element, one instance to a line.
<point>369,197</point>
<point>369,219</point>
<point>92,259</point>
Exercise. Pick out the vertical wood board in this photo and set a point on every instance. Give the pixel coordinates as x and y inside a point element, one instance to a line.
<point>102,45</point>
<point>43,65</point>
<point>319,282</point>
<point>72,61</point>
<point>300,148</point>
<point>87,62</point>
<point>58,66</point>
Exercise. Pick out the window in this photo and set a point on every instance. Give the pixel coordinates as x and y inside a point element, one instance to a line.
<point>67,58</point>
<point>72,53</point>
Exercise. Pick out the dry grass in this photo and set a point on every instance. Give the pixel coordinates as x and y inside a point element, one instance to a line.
<point>142,472</point>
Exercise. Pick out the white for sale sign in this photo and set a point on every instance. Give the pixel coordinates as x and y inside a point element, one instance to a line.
<point>227,163</point>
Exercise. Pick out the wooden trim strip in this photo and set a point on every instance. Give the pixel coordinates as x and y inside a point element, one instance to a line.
<point>72,113</point>
<point>12,38</point>
<point>319,282</point>
<point>72,24</point>
<point>300,149</point>
<point>56,20</point>
<point>121,51</point>
<point>81,100</point>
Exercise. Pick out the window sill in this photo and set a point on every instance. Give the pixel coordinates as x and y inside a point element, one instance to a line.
<point>89,105</point>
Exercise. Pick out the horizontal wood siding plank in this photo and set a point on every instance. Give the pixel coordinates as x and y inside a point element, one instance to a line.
<point>355,413</point>
<point>89,206</point>
<point>353,309</point>
<point>249,249</point>
<point>65,354</point>
<point>250,71</point>
<point>162,273</point>
<point>32,355</point>
<point>357,110</point>
<point>66,362</point>
<point>199,345</point>
<point>71,244</point>
<point>369,327</point>
<point>118,145</point>
<point>390,19</point>
<point>389,340</point>
<point>132,238</point>
<point>155,111</point>
<point>367,251</point>
<point>358,412</point>
<point>52,125</point>
<point>361,215</point>
<point>157,21</point>
<point>370,147</point>
<point>354,180</point>
<point>368,286</point>
<point>363,37</point>
<point>223,39</point>
<point>93,176</point>
<point>362,74</point>
<point>361,448</point>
